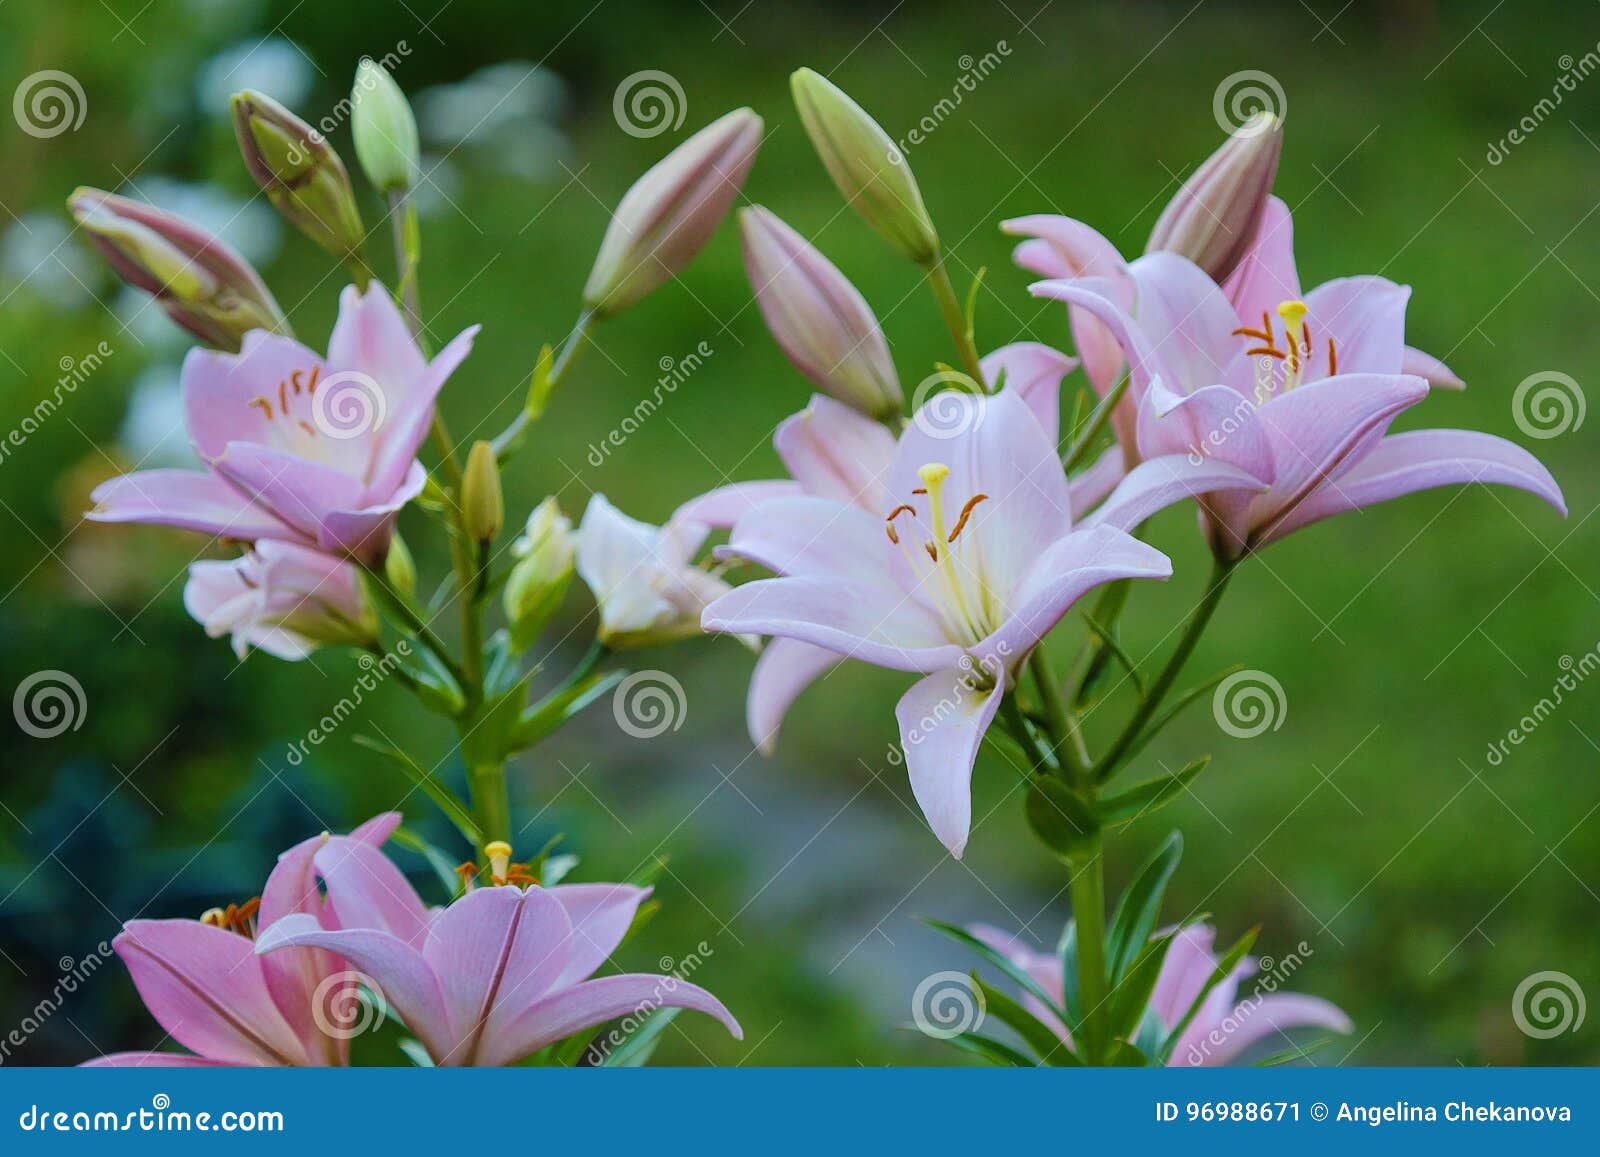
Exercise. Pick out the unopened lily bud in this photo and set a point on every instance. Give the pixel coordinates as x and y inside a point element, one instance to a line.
<point>482,506</point>
<point>384,128</point>
<point>298,170</point>
<point>201,282</point>
<point>866,164</point>
<point>283,598</point>
<point>823,324</point>
<point>545,555</point>
<point>1213,218</point>
<point>671,211</point>
<point>399,567</point>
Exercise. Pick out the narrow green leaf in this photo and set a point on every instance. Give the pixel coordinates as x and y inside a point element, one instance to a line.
<point>1166,717</point>
<point>1140,907</point>
<point>1059,816</point>
<point>1144,798</point>
<point>1097,422</point>
<point>1109,643</point>
<point>1123,1055</point>
<point>1071,1005</point>
<point>1289,1056</point>
<point>1000,961</point>
<point>990,1050</point>
<point>1131,995</point>
<point>449,803</point>
<point>641,1043</point>
<point>1037,1035</point>
<point>1225,966</point>
<point>545,716</point>
<point>443,866</point>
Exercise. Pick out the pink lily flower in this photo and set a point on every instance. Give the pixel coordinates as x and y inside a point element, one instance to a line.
<point>1224,1026</point>
<point>957,576</point>
<point>1299,394</point>
<point>497,975</point>
<point>203,982</point>
<point>285,599</point>
<point>300,448</point>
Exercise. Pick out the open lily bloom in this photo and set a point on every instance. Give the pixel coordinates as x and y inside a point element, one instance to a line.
<point>643,577</point>
<point>1300,394</point>
<point>300,448</point>
<point>205,985</point>
<point>285,599</point>
<point>972,563</point>
<point>497,975</point>
<point>1223,1027</point>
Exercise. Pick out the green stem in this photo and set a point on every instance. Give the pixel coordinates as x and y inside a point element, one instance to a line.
<point>1063,732</point>
<point>955,321</point>
<point>397,606</point>
<point>558,369</point>
<point>1089,911</point>
<point>491,800</point>
<point>1221,572</point>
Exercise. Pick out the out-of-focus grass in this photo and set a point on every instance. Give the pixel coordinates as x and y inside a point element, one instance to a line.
<point>1427,882</point>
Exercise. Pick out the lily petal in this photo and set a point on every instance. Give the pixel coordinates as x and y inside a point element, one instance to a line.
<point>1264,1016</point>
<point>942,721</point>
<point>724,506</point>
<point>366,890</point>
<point>188,500</point>
<point>1267,274</point>
<point>786,668</point>
<point>1439,375</point>
<point>1034,370</point>
<point>600,915</point>
<point>835,452</point>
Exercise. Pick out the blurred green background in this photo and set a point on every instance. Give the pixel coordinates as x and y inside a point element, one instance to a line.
<point>1427,882</point>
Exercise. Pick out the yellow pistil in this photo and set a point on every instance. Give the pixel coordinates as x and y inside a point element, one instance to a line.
<point>1294,325</point>
<point>239,918</point>
<point>498,854</point>
<point>933,476</point>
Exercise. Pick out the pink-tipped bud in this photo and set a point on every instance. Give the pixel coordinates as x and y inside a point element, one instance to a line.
<point>820,320</point>
<point>298,170</point>
<point>671,211</point>
<point>203,283</point>
<point>1214,217</point>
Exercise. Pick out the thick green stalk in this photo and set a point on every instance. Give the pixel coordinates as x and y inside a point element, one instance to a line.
<point>956,322</point>
<point>1089,910</point>
<point>1062,730</point>
<point>491,800</point>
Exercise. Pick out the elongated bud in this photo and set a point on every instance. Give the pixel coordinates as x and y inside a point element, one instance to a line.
<point>482,507</point>
<point>866,164</point>
<point>297,169</point>
<point>545,555</point>
<point>399,568</point>
<point>821,321</point>
<point>201,282</point>
<point>385,131</point>
<point>671,211</point>
<point>1213,218</point>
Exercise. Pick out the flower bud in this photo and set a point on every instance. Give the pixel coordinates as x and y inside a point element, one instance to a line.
<point>298,170</point>
<point>867,166</point>
<point>399,567</point>
<point>384,129</point>
<point>482,507</point>
<point>820,320</point>
<point>538,581</point>
<point>201,282</point>
<point>671,211</point>
<point>283,598</point>
<point>1213,218</point>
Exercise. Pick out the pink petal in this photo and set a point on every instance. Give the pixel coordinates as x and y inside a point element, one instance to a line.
<point>835,452</point>
<point>365,532</point>
<point>1366,319</point>
<point>816,537</point>
<point>1090,487</point>
<point>1263,1017</point>
<point>366,890</point>
<point>190,500</point>
<point>292,977</point>
<point>205,987</point>
<point>1080,252</point>
<point>1034,370</point>
<point>1421,460</point>
<point>1188,319</point>
<point>298,491</point>
<point>1267,274</point>
<point>371,337</point>
<point>724,506</point>
<point>786,668</point>
<point>582,1006</point>
<point>223,392</point>
<point>942,721</point>
<point>410,416</point>
<point>1439,375</point>
<point>601,915</point>
<point>154,1061</point>
<point>378,829</point>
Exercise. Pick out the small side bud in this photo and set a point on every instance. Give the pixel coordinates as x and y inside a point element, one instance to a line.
<point>1214,217</point>
<point>201,282</point>
<point>545,554</point>
<point>385,131</point>
<point>399,567</point>
<point>482,506</point>
<point>670,212</point>
<point>298,170</point>
<point>821,321</point>
<point>866,164</point>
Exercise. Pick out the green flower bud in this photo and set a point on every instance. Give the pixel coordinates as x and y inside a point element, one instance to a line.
<point>384,129</point>
<point>867,166</point>
<point>545,555</point>
<point>482,506</point>
<point>298,170</point>
<point>399,568</point>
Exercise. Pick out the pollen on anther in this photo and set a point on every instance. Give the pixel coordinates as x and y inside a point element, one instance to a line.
<point>966,513</point>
